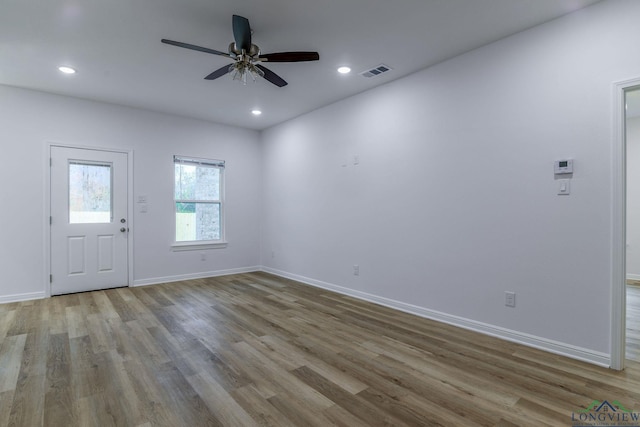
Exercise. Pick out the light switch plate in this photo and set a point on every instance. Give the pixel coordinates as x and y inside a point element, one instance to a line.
<point>564,187</point>
<point>510,299</point>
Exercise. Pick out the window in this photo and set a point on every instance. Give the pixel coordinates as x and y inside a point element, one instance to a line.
<point>199,202</point>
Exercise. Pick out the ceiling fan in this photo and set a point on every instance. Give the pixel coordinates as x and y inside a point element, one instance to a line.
<point>247,56</point>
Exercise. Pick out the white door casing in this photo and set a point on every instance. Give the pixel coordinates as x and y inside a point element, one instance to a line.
<point>89,224</point>
<point>619,222</point>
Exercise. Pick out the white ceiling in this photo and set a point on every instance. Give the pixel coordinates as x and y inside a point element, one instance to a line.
<point>115,46</point>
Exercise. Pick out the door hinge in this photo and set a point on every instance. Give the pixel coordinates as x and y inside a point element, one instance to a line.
<point>50,220</point>
<point>51,278</point>
<point>50,161</point>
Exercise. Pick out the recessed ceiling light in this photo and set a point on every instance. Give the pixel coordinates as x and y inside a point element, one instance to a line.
<point>256,112</point>
<point>344,70</point>
<point>67,70</point>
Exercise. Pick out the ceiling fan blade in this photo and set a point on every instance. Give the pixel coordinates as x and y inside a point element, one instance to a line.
<point>219,72</point>
<point>241,32</point>
<point>271,76</point>
<point>194,47</point>
<point>290,56</point>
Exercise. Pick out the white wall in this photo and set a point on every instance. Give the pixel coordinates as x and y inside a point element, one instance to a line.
<point>633,198</point>
<point>29,120</point>
<point>454,200</point>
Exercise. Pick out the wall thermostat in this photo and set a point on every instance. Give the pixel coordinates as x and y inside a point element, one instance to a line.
<point>561,167</point>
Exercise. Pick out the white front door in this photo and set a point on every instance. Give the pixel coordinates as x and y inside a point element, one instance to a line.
<point>89,225</point>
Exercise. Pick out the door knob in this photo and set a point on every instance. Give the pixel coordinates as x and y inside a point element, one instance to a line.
<point>123,229</point>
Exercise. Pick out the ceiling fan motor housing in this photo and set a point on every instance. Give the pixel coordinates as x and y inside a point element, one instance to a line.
<point>234,51</point>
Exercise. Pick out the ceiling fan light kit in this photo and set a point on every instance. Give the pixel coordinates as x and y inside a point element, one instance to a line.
<point>247,56</point>
<point>242,70</point>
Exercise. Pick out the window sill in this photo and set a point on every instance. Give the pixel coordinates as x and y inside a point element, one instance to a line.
<point>195,246</point>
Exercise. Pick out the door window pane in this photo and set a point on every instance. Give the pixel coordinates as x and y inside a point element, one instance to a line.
<point>89,193</point>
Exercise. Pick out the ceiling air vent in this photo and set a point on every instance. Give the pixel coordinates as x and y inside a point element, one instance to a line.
<point>380,69</point>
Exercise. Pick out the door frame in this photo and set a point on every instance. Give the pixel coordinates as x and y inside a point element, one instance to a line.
<point>47,208</point>
<point>619,224</point>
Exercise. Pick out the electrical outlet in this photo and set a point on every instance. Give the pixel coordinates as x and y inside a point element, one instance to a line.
<point>510,299</point>
<point>356,270</point>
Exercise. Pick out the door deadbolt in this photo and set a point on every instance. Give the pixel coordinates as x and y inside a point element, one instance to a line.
<point>123,220</point>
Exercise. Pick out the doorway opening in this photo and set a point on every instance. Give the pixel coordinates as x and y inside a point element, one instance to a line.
<point>624,97</point>
<point>632,246</point>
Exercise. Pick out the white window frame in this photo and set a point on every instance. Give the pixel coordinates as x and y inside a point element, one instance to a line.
<point>199,244</point>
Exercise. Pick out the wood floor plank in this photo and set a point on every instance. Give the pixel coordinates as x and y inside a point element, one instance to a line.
<point>256,349</point>
<point>260,380</point>
<point>102,338</point>
<point>340,378</point>
<point>298,413</point>
<point>125,311</point>
<point>136,307</point>
<point>24,316</point>
<point>57,315</point>
<point>11,352</point>
<point>7,319</point>
<point>356,405</point>
<point>28,400</point>
<point>6,400</point>
<point>283,380</point>
<point>157,295</point>
<point>122,394</point>
<point>77,327</point>
<point>189,406</point>
<point>154,402</point>
<point>225,408</point>
<point>88,376</point>
<point>105,308</point>
<point>339,416</point>
<point>94,411</point>
<point>259,408</point>
<point>27,408</point>
<point>145,344</point>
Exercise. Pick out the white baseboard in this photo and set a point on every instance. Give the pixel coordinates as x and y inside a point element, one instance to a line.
<point>142,282</point>
<point>22,297</point>
<point>574,352</point>
<point>191,276</point>
<point>633,276</point>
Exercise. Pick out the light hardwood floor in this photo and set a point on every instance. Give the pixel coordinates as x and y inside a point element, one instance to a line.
<point>254,349</point>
